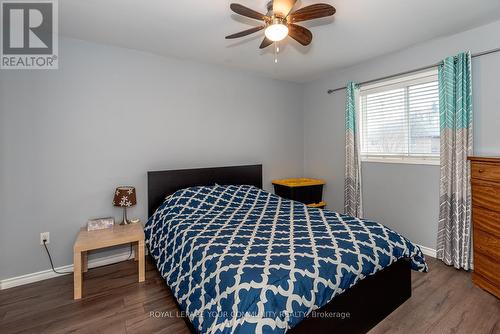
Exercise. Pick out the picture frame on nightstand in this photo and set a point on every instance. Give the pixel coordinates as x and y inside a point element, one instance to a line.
<point>100,223</point>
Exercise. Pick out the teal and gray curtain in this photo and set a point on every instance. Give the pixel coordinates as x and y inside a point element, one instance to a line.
<point>352,183</point>
<point>455,104</point>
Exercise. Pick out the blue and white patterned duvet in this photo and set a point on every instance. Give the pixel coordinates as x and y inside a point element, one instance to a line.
<point>242,260</point>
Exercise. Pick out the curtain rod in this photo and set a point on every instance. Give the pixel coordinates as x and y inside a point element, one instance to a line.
<point>479,54</point>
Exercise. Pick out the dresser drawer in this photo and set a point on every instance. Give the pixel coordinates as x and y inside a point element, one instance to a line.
<point>486,220</point>
<point>484,284</point>
<point>486,244</point>
<point>488,268</point>
<point>485,171</point>
<point>486,195</point>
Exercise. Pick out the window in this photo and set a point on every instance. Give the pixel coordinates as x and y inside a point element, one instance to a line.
<point>399,120</point>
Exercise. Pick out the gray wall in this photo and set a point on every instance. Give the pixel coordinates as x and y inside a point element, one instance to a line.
<point>109,115</point>
<point>404,197</point>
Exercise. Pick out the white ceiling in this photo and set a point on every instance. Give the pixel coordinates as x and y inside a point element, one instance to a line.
<point>195,29</point>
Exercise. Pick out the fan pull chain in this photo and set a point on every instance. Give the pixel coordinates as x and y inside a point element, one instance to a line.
<point>276,52</point>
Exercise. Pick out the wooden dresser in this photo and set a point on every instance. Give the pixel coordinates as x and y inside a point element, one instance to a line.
<point>485,174</point>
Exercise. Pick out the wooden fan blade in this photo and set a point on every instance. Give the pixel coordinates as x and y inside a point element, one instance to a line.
<point>312,12</point>
<point>245,11</point>
<point>300,34</point>
<point>265,43</point>
<point>245,33</point>
<point>283,7</point>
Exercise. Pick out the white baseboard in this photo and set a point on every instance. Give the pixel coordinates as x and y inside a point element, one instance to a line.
<point>428,251</point>
<point>46,274</point>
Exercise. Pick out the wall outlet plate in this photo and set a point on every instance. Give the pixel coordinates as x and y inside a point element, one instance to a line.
<point>44,236</point>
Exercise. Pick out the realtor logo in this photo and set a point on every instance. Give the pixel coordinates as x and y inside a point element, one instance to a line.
<point>29,34</point>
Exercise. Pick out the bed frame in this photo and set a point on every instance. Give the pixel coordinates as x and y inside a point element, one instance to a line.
<point>357,310</point>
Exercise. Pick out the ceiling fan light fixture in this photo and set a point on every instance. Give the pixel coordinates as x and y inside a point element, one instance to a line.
<point>277,30</point>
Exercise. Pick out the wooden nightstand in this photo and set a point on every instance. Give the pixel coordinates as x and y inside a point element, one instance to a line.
<point>92,240</point>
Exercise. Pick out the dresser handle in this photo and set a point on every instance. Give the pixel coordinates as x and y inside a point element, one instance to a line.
<point>481,171</point>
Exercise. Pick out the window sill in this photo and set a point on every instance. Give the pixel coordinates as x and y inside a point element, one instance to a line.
<point>430,162</point>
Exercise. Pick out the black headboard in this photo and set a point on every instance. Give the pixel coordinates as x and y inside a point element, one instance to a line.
<point>164,183</point>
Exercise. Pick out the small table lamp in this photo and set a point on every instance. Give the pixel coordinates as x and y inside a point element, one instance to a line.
<point>125,198</point>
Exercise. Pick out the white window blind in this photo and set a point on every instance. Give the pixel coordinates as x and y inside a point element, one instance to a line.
<point>399,119</point>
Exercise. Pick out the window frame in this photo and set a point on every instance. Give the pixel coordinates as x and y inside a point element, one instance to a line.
<point>413,79</point>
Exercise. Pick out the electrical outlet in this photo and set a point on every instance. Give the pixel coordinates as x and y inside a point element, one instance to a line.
<point>44,236</point>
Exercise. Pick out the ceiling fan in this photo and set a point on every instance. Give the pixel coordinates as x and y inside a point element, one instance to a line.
<point>280,21</point>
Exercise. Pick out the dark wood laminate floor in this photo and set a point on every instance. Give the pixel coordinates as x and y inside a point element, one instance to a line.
<point>443,301</point>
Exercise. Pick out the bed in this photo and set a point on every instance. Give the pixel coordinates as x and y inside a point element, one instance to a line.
<point>239,259</point>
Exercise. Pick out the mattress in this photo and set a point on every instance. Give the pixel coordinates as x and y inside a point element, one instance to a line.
<point>241,260</point>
